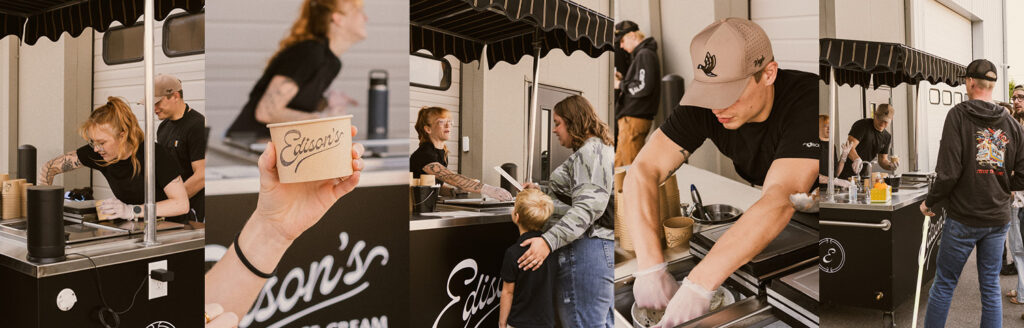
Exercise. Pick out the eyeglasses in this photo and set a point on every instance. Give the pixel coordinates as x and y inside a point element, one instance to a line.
<point>444,123</point>
<point>1017,98</point>
<point>97,146</point>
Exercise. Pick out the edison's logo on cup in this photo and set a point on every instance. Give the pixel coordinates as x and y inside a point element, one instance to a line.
<point>832,255</point>
<point>314,149</point>
<point>298,148</point>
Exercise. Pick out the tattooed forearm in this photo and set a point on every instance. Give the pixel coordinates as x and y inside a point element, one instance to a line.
<point>61,164</point>
<point>452,178</point>
<point>273,106</point>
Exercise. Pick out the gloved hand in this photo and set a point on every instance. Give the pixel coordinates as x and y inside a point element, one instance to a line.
<point>496,193</point>
<point>804,203</point>
<point>690,301</point>
<point>654,287</point>
<point>115,209</point>
<point>857,166</point>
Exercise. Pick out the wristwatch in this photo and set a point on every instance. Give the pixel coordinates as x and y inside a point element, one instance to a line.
<point>137,209</point>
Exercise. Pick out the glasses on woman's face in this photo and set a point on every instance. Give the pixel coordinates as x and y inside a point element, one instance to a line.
<point>444,122</point>
<point>97,146</point>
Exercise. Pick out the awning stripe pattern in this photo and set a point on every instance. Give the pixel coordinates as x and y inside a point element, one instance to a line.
<point>507,27</point>
<point>857,62</point>
<point>33,19</point>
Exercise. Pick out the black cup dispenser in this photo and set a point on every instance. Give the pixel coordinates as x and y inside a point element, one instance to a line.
<point>45,224</point>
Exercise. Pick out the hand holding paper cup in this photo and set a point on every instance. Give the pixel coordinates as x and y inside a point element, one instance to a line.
<point>313,150</point>
<point>291,208</point>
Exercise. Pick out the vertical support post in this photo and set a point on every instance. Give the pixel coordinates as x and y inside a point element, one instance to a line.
<point>149,239</point>
<point>533,109</point>
<point>833,114</point>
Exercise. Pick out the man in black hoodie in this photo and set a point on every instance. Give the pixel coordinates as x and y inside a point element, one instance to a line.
<point>981,160</point>
<point>639,88</point>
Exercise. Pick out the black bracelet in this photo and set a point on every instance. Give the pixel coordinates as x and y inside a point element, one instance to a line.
<point>248,265</point>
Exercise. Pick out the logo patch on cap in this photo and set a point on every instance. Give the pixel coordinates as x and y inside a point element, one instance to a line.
<point>759,61</point>
<point>708,66</point>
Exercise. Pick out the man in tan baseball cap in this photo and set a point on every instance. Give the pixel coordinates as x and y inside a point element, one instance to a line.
<point>182,131</point>
<point>765,120</point>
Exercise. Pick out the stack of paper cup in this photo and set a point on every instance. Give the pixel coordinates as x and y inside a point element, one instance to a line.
<point>11,193</point>
<point>24,199</point>
<point>427,180</point>
<point>313,150</point>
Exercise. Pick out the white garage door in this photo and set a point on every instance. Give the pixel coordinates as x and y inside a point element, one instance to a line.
<point>948,36</point>
<point>792,25</point>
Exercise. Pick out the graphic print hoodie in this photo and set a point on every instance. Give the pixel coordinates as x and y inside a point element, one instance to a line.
<point>981,159</point>
<point>641,85</point>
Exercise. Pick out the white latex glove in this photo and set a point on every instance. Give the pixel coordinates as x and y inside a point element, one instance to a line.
<point>691,301</point>
<point>804,203</point>
<point>496,193</point>
<point>857,163</point>
<point>115,209</point>
<point>654,287</point>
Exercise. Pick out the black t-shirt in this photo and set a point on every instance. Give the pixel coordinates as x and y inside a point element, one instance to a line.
<point>424,155</point>
<point>185,138</point>
<point>127,188</point>
<point>872,142</point>
<point>310,64</point>
<point>791,130</point>
<point>534,290</point>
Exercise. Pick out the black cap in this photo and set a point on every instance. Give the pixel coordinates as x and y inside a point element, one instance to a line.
<point>981,69</point>
<point>624,27</point>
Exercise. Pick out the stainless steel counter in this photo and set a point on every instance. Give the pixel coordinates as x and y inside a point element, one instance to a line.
<point>899,200</point>
<point>14,253</point>
<point>447,217</point>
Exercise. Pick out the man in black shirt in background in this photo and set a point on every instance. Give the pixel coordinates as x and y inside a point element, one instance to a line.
<point>182,131</point>
<point>764,119</point>
<point>869,139</point>
<point>636,103</point>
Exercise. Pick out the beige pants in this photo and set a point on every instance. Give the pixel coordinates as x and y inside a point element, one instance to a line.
<point>632,134</point>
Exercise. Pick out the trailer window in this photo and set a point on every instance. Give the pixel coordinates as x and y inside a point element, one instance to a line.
<point>429,72</point>
<point>122,45</point>
<point>184,34</point>
<point>947,97</point>
<point>933,96</point>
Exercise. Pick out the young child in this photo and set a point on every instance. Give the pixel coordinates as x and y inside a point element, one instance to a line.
<point>526,296</point>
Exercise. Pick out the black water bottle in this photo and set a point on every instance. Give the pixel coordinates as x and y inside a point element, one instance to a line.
<point>27,163</point>
<point>378,105</point>
<point>45,224</point>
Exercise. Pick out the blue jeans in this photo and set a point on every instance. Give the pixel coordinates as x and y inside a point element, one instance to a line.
<point>958,240</point>
<point>1017,249</point>
<point>585,283</point>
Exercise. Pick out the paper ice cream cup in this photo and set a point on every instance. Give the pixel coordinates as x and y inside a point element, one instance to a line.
<point>313,150</point>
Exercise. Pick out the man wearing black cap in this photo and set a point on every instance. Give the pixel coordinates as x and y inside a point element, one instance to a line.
<point>637,100</point>
<point>981,160</point>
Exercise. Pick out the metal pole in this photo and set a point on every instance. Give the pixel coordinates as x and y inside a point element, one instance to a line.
<point>833,116</point>
<point>149,239</point>
<point>533,109</point>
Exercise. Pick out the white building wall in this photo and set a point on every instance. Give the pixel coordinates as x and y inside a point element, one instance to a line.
<point>494,102</point>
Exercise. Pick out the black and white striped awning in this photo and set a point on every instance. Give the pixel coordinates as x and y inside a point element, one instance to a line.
<point>507,27</point>
<point>857,62</point>
<point>32,19</point>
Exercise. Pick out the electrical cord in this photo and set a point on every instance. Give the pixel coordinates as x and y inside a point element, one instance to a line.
<point>115,315</point>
